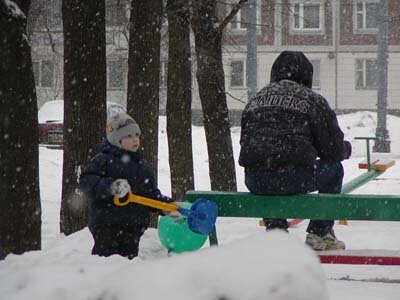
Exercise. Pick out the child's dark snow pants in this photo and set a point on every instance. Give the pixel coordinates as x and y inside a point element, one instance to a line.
<point>112,239</point>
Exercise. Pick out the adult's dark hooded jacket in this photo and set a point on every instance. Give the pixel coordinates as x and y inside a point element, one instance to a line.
<point>287,123</point>
<point>95,181</point>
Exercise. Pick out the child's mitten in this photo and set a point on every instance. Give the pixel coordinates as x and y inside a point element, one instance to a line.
<point>120,188</point>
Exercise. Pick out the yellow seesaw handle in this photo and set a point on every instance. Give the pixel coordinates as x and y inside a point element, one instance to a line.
<point>145,201</point>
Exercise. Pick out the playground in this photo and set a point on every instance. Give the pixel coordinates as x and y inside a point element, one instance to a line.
<point>245,265</point>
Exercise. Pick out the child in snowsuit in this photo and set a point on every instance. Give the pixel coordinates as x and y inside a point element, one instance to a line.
<point>117,169</point>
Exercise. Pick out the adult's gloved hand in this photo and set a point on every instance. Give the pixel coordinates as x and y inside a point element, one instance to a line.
<point>176,215</point>
<point>120,188</point>
<point>348,148</point>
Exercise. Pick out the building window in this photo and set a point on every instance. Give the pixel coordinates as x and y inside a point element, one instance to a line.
<point>366,14</point>
<point>241,20</point>
<point>44,73</point>
<point>115,13</point>
<point>237,73</point>
<point>116,74</point>
<point>366,74</point>
<point>164,74</point>
<point>36,72</point>
<point>316,74</point>
<point>47,74</point>
<point>307,16</point>
<point>55,18</point>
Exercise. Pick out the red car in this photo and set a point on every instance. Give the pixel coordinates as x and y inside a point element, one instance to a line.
<point>51,118</point>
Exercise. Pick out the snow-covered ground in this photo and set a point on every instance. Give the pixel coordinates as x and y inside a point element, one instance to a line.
<point>249,264</point>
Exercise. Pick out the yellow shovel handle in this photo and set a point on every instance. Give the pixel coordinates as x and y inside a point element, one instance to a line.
<point>145,201</point>
<point>117,201</point>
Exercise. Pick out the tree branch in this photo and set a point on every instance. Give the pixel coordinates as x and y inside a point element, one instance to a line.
<point>24,6</point>
<point>51,40</point>
<point>233,12</point>
<point>236,98</point>
<point>11,9</point>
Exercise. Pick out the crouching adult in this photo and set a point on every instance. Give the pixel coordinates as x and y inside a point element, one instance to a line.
<point>291,143</point>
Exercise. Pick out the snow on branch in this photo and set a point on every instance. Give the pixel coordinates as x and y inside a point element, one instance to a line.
<point>11,9</point>
<point>232,14</point>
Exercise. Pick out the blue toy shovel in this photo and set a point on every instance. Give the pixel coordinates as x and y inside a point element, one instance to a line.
<point>201,216</point>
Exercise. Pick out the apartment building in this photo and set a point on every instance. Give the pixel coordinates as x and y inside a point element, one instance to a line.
<point>47,49</point>
<point>338,36</point>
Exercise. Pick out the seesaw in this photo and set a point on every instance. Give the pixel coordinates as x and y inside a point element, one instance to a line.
<point>343,206</point>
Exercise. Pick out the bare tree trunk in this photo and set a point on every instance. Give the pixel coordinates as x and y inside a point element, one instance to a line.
<point>84,101</point>
<point>144,73</point>
<point>20,210</point>
<point>211,82</point>
<point>179,98</point>
<point>382,144</point>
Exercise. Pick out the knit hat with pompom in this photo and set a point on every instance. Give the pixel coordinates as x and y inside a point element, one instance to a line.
<point>120,126</point>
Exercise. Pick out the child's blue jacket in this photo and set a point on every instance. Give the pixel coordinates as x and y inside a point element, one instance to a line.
<point>95,181</point>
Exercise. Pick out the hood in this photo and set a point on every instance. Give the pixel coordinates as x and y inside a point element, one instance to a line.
<point>294,66</point>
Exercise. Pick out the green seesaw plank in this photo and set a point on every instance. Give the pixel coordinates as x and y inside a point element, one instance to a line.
<point>305,206</point>
<point>360,181</point>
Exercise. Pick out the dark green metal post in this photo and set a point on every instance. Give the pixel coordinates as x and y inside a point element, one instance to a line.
<point>367,139</point>
<point>213,237</point>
